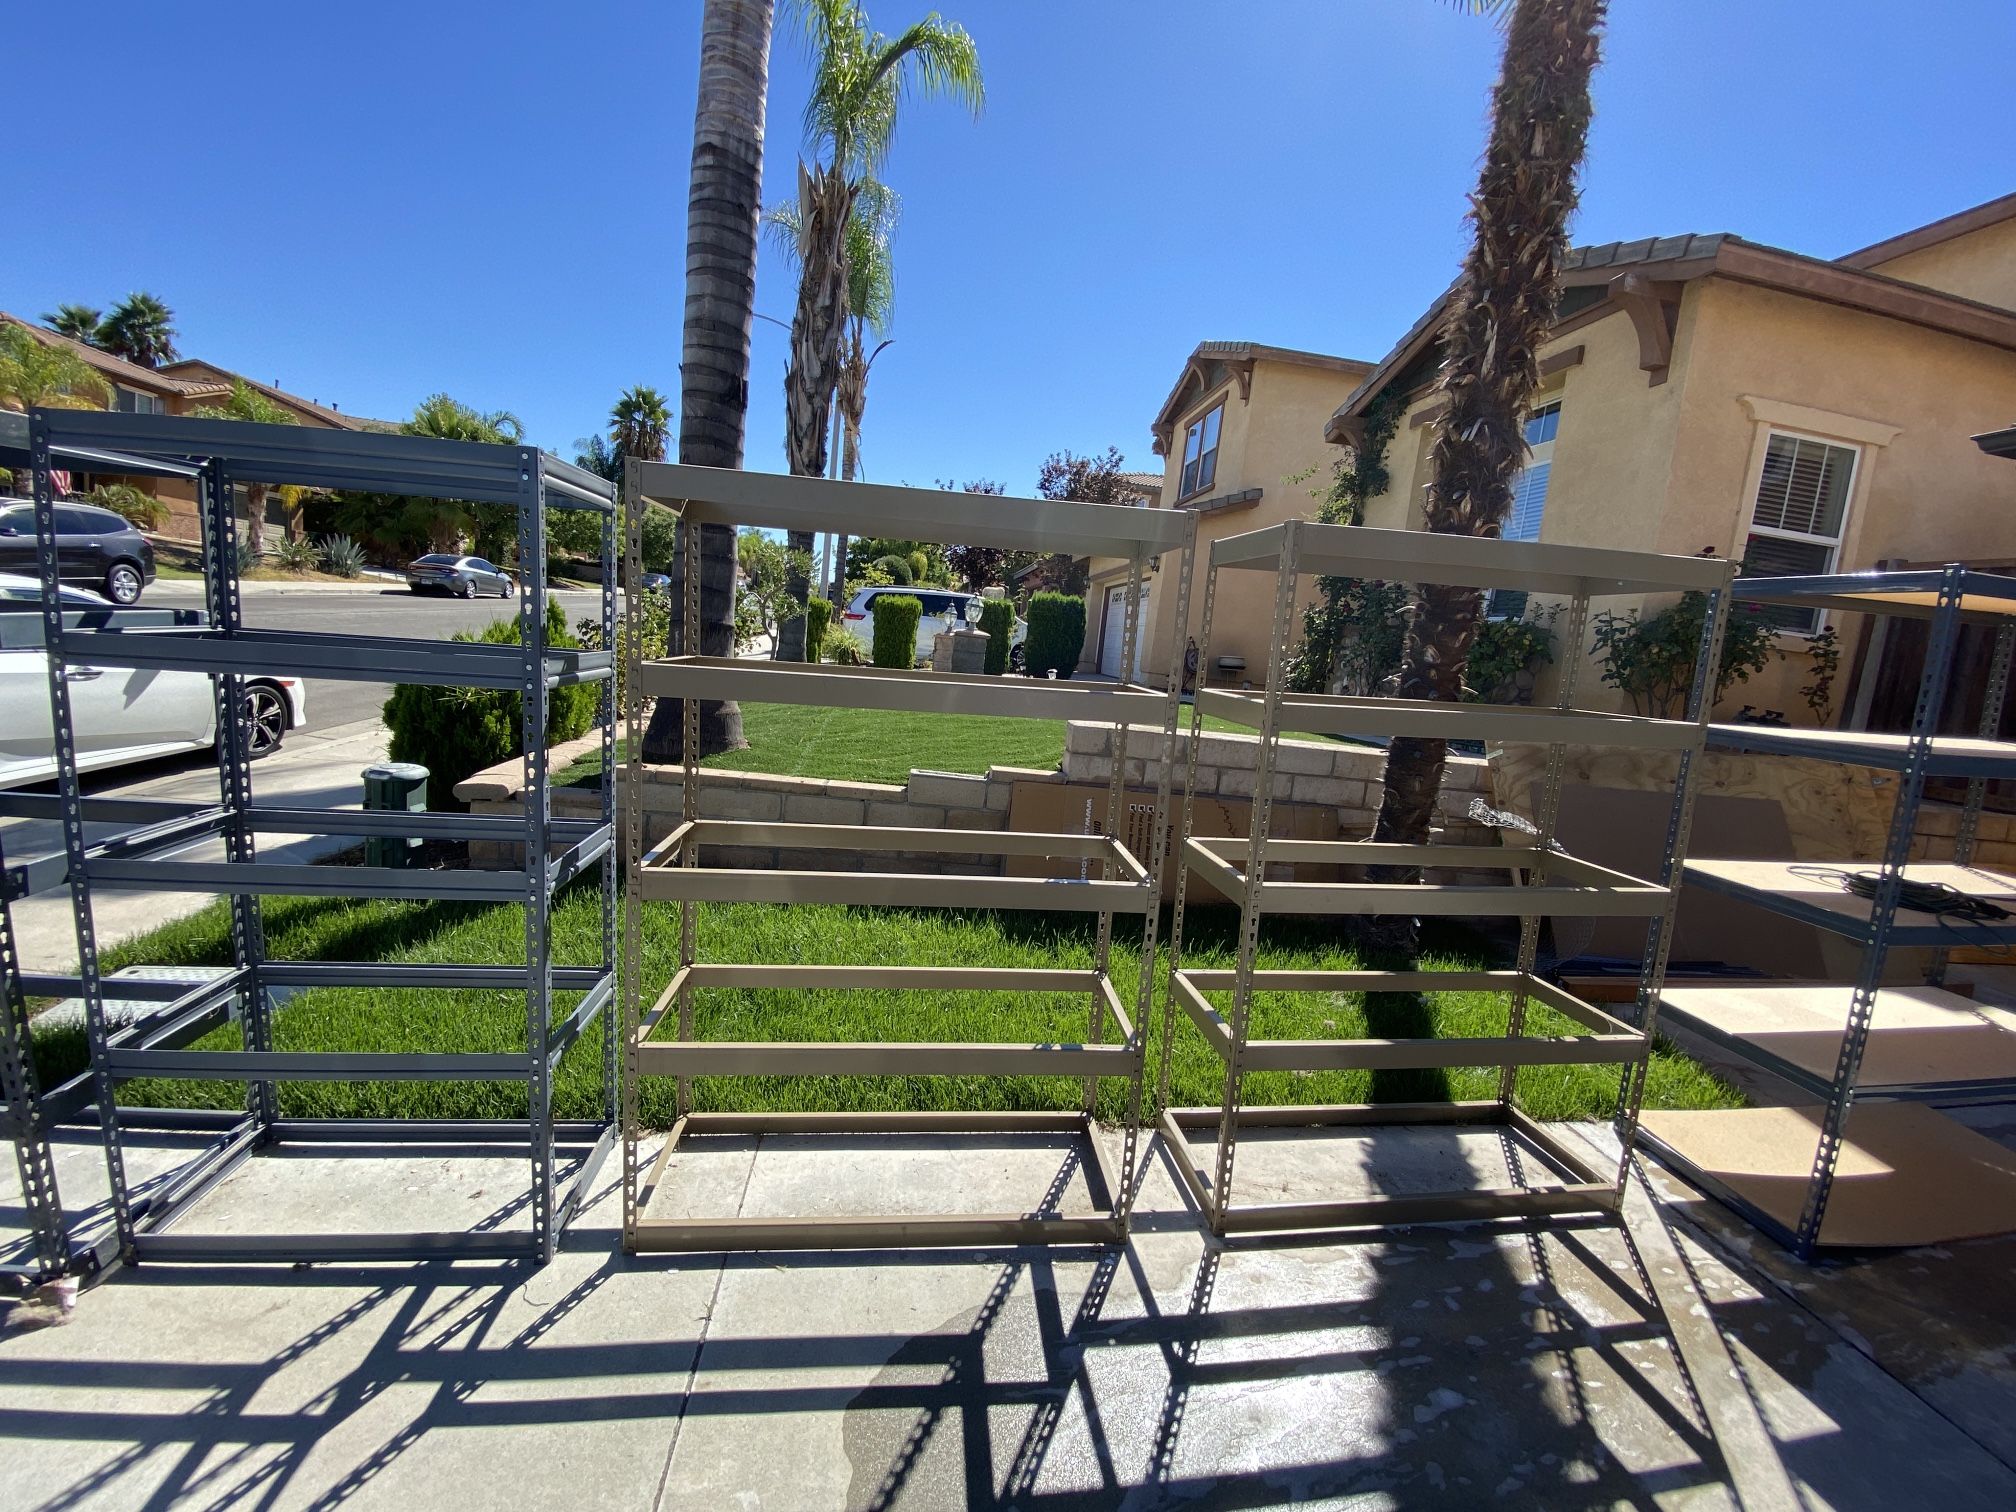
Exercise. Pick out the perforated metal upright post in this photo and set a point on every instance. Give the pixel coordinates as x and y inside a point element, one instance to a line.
<point>70,798</point>
<point>612,858</point>
<point>20,1102</point>
<point>538,824</point>
<point>234,774</point>
<point>630,985</point>
<point>1993,699</point>
<point>1945,635</point>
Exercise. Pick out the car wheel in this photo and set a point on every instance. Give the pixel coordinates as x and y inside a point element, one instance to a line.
<point>122,583</point>
<point>265,719</point>
<point>465,589</point>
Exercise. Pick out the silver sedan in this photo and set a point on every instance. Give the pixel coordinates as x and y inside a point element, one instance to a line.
<point>463,576</point>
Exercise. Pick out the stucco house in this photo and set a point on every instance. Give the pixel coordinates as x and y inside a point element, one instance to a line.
<point>181,388</point>
<point>1242,432</point>
<point>1709,393</point>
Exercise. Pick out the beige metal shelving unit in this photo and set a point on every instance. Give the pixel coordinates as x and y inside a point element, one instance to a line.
<point>1109,880</point>
<point>1548,883</point>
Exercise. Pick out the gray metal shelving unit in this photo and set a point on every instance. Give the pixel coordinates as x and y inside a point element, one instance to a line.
<point>1543,881</point>
<point>221,454</point>
<point>1816,893</point>
<point>1109,880</point>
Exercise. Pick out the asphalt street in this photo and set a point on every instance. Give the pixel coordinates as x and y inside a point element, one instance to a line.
<point>377,610</point>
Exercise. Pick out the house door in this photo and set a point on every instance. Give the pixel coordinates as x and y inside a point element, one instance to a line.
<point>1113,633</point>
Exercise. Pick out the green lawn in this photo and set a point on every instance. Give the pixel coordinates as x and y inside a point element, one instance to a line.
<point>869,745</point>
<point>437,1019</point>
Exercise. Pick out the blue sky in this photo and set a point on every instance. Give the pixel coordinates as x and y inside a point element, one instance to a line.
<point>370,202</point>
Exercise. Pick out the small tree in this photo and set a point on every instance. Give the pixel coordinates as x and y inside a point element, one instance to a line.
<point>818,616</point>
<point>35,372</point>
<point>895,617</point>
<point>762,596</point>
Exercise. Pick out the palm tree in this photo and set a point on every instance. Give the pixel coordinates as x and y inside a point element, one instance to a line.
<point>247,403</point>
<point>141,329</point>
<point>36,372</point>
<point>640,423</point>
<point>871,306</point>
<point>79,322</point>
<point>859,79</point>
<point>1500,314</point>
<point>724,203</point>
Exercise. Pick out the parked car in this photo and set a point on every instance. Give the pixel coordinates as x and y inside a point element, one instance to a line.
<point>463,576</point>
<point>944,609</point>
<point>119,714</point>
<point>657,582</point>
<point>94,548</point>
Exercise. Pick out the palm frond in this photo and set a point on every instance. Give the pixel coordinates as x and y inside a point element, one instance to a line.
<point>871,256</point>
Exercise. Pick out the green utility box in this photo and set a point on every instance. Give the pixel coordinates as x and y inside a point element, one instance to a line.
<point>394,787</point>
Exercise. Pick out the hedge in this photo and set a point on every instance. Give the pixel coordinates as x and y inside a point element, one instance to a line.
<point>457,732</point>
<point>818,615</point>
<point>896,616</point>
<point>997,618</point>
<point>1056,632</point>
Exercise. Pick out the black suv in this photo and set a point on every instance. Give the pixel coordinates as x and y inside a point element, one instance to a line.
<point>95,548</point>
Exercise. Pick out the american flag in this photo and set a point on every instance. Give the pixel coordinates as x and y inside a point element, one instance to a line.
<point>59,483</point>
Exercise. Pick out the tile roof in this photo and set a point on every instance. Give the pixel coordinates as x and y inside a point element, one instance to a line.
<point>131,373</point>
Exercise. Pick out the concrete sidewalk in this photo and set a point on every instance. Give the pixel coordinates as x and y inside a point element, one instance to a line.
<point>314,769</point>
<point>1597,1365</point>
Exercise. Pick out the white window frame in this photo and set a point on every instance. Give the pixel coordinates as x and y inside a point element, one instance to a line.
<point>1833,543</point>
<point>1540,454</point>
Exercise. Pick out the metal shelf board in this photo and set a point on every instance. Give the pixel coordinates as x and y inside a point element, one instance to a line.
<point>370,461</point>
<point>1574,888</point>
<point>1610,1041</point>
<point>1985,597</point>
<point>1105,1224</point>
<point>663,877</point>
<point>774,501</point>
<point>1326,714</point>
<point>857,1058</point>
<point>1807,891</point>
<point>825,686</point>
<point>455,664</point>
<point>1951,755</point>
<point>1579,1188</point>
<point>1924,1044</point>
<point>1360,551</point>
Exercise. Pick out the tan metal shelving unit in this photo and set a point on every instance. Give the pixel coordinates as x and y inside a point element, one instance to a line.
<point>1109,881</point>
<point>1545,882</point>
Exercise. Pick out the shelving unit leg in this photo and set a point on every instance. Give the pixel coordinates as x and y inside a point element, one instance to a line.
<point>1993,699</point>
<point>1883,912</point>
<point>1679,828</point>
<point>630,982</point>
<point>21,1091</point>
<point>538,868</point>
<point>1545,820</point>
<point>70,801</point>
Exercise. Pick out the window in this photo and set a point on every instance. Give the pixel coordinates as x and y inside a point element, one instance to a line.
<point>1797,517</point>
<point>1200,451</point>
<point>101,521</point>
<point>1529,501</point>
<point>132,402</point>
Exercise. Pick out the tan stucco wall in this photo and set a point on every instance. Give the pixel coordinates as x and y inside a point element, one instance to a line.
<point>1672,466</point>
<point>1980,265</point>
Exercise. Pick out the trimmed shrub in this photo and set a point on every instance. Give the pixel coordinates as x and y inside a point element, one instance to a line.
<point>1056,632</point>
<point>818,615</point>
<point>920,566</point>
<point>898,569</point>
<point>896,616</point>
<point>457,732</point>
<point>997,618</point>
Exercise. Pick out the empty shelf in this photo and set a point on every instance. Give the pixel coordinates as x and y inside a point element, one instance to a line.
<point>1923,1042</point>
<point>1952,755</point>
<point>1578,889</point>
<point>780,682</point>
<point>1327,715</point>
<point>355,658</point>
<point>1907,1174</point>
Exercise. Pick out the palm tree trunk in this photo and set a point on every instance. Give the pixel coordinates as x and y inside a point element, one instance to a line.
<point>852,394</point>
<point>826,201</point>
<point>724,201</point>
<point>1497,319</point>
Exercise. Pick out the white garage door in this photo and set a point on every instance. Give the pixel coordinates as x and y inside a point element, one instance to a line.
<point>1113,633</point>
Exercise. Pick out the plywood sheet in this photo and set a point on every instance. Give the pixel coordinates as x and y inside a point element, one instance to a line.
<point>1918,1034</point>
<point>1907,1175</point>
<point>1080,808</point>
<point>1820,884</point>
<point>1626,830</point>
